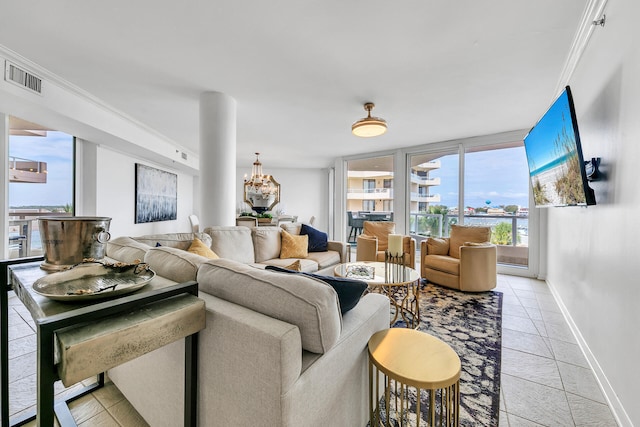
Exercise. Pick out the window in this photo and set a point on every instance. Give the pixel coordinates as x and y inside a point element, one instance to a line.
<point>41,182</point>
<point>434,193</point>
<point>369,186</point>
<point>495,193</point>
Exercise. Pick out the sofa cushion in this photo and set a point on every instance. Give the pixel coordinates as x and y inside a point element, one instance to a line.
<point>437,246</point>
<point>199,248</point>
<point>173,263</point>
<point>349,290</point>
<point>173,240</point>
<point>444,263</point>
<point>308,303</point>
<point>317,239</point>
<point>233,243</point>
<point>266,243</point>
<point>324,259</point>
<point>293,246</point>
<point>380,230</point>
<point>461,234</point>
<point>126,249</point>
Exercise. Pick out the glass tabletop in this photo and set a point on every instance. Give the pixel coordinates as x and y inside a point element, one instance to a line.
<point>375,274</point>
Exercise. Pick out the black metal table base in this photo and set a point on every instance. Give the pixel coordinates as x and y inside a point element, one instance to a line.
<point>47,373</point>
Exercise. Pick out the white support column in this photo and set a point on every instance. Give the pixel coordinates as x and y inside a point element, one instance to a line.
<point>4,189</point>
<point>217,159</point>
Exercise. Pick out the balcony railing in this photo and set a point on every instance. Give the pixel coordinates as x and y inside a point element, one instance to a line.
<point>421,180</point>
<point>25,170</point>
<point>426,198</point>
<point>370,193</point>
<point>24,232</point>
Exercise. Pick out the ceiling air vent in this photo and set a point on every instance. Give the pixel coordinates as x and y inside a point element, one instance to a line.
<point>22,78</point>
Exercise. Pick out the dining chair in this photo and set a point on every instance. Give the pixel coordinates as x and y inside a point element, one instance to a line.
<point>195,223</point>
<point>356,225</point>
<point>247,221</point>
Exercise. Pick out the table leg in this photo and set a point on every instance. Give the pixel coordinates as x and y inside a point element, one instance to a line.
<point>46,377</point>
<point>191,380</point>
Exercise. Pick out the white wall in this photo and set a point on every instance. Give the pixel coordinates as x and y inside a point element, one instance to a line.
<point>115,182</point>
<point>304,192</point>
<point>592,256</point>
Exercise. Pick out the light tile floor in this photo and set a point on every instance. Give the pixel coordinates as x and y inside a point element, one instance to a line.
<point>546,380</point>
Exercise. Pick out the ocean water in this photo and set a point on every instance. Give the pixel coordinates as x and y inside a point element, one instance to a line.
<point>36,243</point>
<point>556,162</point>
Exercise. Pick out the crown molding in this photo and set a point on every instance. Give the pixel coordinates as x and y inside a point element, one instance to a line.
<point>593,11</point>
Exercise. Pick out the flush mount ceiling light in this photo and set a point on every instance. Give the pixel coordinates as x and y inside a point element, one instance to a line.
<point>369,126</point>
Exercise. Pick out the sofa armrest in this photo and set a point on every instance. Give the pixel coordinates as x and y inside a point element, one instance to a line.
<point>366,248</point>
<point>424,251</point>
<point>243,355</point>
<point>478,271</point>
<point>173,263</point>
<point>341,247</point>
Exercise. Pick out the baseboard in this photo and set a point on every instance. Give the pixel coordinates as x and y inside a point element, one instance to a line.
<point>621,416</point>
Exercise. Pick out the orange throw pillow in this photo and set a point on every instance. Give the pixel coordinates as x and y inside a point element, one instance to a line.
<point>199,248</point>
<point>294,246</point>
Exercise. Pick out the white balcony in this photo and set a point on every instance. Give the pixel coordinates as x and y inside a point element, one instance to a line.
<point>425,198</point>
<point>370,194</point>
<point>24,170</point>
<point>424,182</point>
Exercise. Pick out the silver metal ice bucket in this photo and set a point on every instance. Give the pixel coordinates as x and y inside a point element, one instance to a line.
<point>66,241</point>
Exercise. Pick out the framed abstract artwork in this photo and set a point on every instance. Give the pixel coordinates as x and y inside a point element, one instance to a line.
<point>156,195</point>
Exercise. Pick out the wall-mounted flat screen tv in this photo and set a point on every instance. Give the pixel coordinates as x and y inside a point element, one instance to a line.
<point>554,155</point>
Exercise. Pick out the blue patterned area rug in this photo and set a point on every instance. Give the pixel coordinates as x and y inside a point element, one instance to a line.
<point>471,323</point>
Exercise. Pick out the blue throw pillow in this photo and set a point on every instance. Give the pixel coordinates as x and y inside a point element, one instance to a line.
<point>349,290</point>
<point>317,239</point>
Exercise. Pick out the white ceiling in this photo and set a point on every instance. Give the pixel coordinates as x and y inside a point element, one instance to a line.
<point>300,71</point>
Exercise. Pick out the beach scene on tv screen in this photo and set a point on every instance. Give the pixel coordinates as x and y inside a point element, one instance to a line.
<point>554,163</point>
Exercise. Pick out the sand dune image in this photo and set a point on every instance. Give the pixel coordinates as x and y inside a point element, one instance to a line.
<point>557,185</point>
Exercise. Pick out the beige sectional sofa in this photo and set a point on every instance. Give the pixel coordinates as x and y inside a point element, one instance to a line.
<point>262,245</point>
<point>276,350</point>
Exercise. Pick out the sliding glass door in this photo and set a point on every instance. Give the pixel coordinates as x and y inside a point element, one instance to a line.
<point>473,185</point>
<point>434,194</point>
<point>496,184</point>
<point>369,192</point>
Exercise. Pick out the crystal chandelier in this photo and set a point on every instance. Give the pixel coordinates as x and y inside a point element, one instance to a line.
<point>260,184</point>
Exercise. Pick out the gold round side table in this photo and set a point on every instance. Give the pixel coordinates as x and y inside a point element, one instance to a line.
<point>409,358</point>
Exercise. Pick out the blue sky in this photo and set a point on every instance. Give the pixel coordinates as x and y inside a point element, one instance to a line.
<point>540,142</point>
<point>498,176</point>
<point>57,150</point>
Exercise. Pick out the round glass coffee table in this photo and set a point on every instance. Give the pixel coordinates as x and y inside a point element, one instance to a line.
<point>400,283</point>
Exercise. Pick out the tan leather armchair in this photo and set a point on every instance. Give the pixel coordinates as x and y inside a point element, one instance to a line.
<point>466,260</point>
<point>373,242</point>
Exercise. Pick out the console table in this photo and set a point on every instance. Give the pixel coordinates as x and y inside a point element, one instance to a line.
<point>165,302</point>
